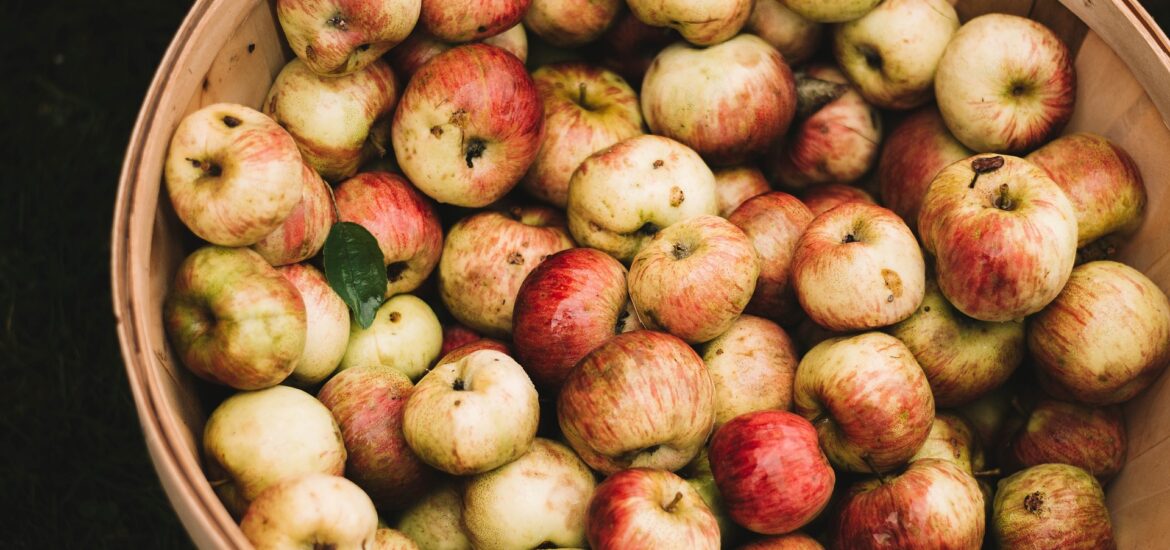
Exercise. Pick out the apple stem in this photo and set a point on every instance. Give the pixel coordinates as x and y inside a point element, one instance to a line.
<point>1003,201</point>
<point>994,472</point>
<point>670,507</point>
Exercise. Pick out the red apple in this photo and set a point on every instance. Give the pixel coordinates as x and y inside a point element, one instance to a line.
<point>338,37</point>
<point>752,365</point>
<point>456,336</point>
<point>774,222</point>
<point>303,232</point>
<point>797,38</point>
<point>472,347</point>
<point>737,184</point>
<point>571,23</point>
<point>642,509</point>
<point>1051,506</point>
<point>1092,438</point>
<point>467,20</point>
<point>420,47</point>
<point>916,150</point>
<point>822,198</point>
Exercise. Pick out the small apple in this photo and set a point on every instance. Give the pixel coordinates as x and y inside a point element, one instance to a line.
<point>405,335</point>
<point>435,522</point>
<point>700,23</point>
<point>571,23</point>
<point>641,399</point>
<point>468,126</point>
<point>644,509</point>
<point>302,234</point>
<point>661,181</point>
<point>752,366</point>
<point>234,320</point>
<point>233,174</point>
<point>797,38</point>
<point>316,510</point>
<point>737,184</point>
<point>467,20</point>
<point>1105,338</point>
<point>1051,506</point>
<point>326,325</point>
<point>420,47</point>
<point>916,150</point>
<point>774,222</point>
<point>1005,84</point>
<point>822,198</point>
<point>1092,438</point>
<point>338,37</point>
<point>831,11</point>
<point>953,439</point>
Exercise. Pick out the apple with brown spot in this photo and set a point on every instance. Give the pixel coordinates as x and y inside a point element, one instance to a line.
<point>1051,506</point>
<point>752,366</point>
<point>467,20</point>
<point>338,37</point>
<point>405,335</point>
<point>703,23</point>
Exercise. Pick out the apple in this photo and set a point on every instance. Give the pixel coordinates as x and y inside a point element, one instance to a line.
<point>660,181</point>
<point>963,358</point>
<point>629,46</point>
<point>892,52</point>
<point>791,541</point>
<point>367,403</point>
<point>822,198</point>
<point>774,222</point>
<point>868,398</point>
<point>472,347</point>
<point>1092,438</point>
<point>487,256</point>
<point>642,508</point>
<point>1005,84</point>
<point>255,439</point>
<point>698,475</point>
<point>640,399</point>
<point>435,522</point>
<point>467,20</point>
<point>233,319</point>
<point>988,413</point>
<point>472,415</point>
<point>703,23</point>
<point>728,101</point>
<point>831,11</point>
<point>752,366</point>
<point>420,47</point>
<point>797,38</point>
<point>468,126</point>
<point>386,538</point>
<point>338,37</point>
<point>916,150</point>
<point>836,144</point>
<point>571,23</point>
<point>402,220</point>
<point>233,175</point>
<point>302,234</point>
<point>586,109</point>
<point>952,439</point>
<point>1051,506</point>
<point>405,335</point>
<point>317,510</point>
<point>1100,179</point>
<point>735,185</point>
<point>694,278</point>
<point>326,325</point>
<point>1003,235</point>
<point>571,303</point>
<point>456,336</point>
<point>1105,338</point>
<point>770,470</point>
<point>539,499</point>
<point>933,504</point>
<point>858,266</point>
<point>338,122</point>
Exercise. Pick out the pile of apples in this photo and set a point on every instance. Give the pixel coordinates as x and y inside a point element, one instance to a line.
<point>642,296</point>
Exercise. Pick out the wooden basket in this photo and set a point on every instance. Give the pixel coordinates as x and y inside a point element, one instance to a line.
<point>230,50</point>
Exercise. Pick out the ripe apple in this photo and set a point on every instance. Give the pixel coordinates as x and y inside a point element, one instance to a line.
<point>704,23</point>
<point>468,126</point>
<point>728,102</point>
<point>694,278</point>
<point>233,319</point>
<point>952,439</point>
<point>1003,235</point>
<point>797,38</point>
<point>405,335</point>
<point>586,109</point>
<point>858,266</point>
<point>822,198</point>
<point>1105,338</point>
<point>772,474</point>
<point>891,53</point>
<point>420,47</point>
<point>642,509</point>
<point>916,150</point>
<point>467,20</point>
<point>629,46</point>
<point>338,37</point>
<point>338,122</point>
<point>963,358</point>
<point>737,184</point>
<point>868,398</point>
<point>933,504</point>
<point>456,336</point>
<point>317,510</point>
<point>791,541</point>
<point>487,256</point>
<point>255,439</point>
<point>367,403</point>
<point>752,365</point>
<point>1100,179</point>
<point>837,144</point>
<point>302,234</point>
<point>660,181</point>
<point>539,499</point>
<point>571,23</point>
<point>774,222</point>
<point>571,303</point>
<point>831,11</point>
<point>641,399</point>
<point>472,347</point>
<point>404,222</point>
<point>435,522</point>
<point>1092,438</point>
<point>472,415</point>
<point>1051,506</point>
<point>233,174</point>
<point>326,325</point>
<point>1005,84</point>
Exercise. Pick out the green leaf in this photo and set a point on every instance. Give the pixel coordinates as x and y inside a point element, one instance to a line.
<point>354,268</point>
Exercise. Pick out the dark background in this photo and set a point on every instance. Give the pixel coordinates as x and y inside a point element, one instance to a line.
<point>74,469</point>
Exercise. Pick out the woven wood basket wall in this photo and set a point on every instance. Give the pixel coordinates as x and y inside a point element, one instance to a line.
<point>230,50</point>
